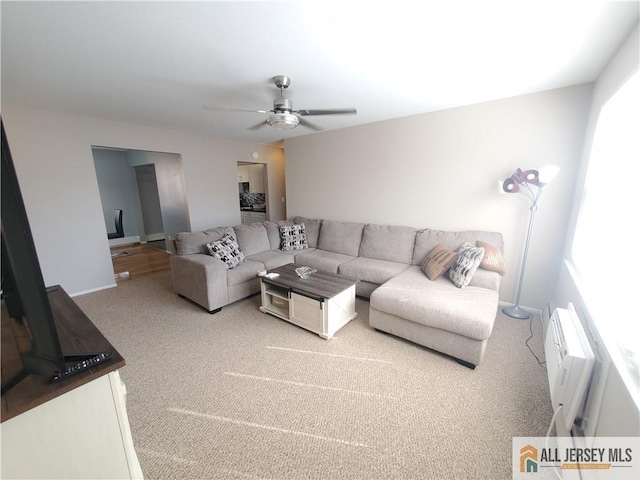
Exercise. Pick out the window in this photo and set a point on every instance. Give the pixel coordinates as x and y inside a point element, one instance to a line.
<point>606,247</point>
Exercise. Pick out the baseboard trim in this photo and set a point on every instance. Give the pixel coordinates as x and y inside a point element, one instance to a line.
<point>92,290</point>
<point>118,242</point>
<point>155,236</point>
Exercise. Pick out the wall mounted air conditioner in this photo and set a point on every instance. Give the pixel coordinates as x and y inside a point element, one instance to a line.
<point>569,362</point>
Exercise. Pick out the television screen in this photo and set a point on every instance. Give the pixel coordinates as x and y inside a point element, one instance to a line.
<point>22,283</point>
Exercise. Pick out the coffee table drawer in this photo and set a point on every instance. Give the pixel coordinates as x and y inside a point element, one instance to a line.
<point>306,312</point>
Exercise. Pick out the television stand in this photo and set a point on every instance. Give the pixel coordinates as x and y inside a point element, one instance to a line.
<point>86,410</point>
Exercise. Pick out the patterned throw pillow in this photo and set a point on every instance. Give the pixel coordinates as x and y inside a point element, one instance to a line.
<point>293,237</point>
<point>227,250</point>
<point>469,258</point>
<point>493,259</point>
<point>438,261</point>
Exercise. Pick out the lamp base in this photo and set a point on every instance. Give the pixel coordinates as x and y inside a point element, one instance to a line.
<point>516,312</point>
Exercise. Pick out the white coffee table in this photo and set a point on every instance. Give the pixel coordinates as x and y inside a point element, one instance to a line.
<point>323,303</point>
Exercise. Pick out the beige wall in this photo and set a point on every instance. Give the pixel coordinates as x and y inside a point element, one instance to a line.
<point>441,170</point>
<point>54,163</point>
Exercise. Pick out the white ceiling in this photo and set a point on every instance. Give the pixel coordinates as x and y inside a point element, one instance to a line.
<point>158,63</point>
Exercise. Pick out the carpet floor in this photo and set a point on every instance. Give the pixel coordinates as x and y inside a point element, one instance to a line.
<point>244,395</point>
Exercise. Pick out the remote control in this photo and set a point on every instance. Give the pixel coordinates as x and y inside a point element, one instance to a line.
<point>81,366</point>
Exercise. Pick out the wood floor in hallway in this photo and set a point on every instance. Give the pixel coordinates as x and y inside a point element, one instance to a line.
<point>138,259</point>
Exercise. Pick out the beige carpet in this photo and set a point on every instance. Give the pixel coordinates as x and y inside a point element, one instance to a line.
<point>244,395</point>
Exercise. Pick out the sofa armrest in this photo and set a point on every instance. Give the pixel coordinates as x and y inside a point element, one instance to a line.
<point>486,279</point>
<point>200,278</point>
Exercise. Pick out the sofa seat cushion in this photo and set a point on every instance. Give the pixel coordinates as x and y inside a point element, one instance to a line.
<point>322,260</point>
<point>470,312</point>
<point>272,258</point>
<point>371,270</point>
<point>388,242</point>
<point>244,272</point>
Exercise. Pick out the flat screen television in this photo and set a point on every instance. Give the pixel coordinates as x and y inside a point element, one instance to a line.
<point>22,284</point>
<point>24,291</point>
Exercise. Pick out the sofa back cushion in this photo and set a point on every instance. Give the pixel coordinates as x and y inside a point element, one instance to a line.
<point>340,237</point>
<point>312,229</point>
<point>252,238</point>
<point>388,242</point>
<point>273,233</point>
<point>427,239</point>
<point>188,243</point>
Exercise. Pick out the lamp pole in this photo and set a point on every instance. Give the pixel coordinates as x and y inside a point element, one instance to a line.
<point>515,311</point>
<point>521,181</point>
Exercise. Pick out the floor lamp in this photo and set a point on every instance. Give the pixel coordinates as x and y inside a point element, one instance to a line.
<point>530,184</point>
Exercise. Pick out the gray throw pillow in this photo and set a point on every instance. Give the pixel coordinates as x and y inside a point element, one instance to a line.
<point>227,250</point>
<point>469,258</point>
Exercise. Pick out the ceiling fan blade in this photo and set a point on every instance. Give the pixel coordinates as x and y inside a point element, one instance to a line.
<point>220,109</point>
<point>333,111</point>
<point>258,126</point>
<point>306,123</point>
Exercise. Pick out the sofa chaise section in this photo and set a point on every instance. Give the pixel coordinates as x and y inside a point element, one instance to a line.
<point>435,313</point>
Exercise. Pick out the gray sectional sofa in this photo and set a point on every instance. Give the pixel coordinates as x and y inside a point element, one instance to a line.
<point>386,259</point>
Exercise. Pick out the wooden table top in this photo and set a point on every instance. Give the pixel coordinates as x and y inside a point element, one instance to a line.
<point>77,335</point>
<point>320,285</point>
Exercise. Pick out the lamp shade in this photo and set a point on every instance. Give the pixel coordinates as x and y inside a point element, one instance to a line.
<point>510,186</point>
<point>528,176</point>
<point>547,173</point>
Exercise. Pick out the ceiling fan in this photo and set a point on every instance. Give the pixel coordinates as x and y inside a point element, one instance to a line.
<point>284,117</point>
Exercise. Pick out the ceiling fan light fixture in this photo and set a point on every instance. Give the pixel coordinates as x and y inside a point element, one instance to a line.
<point>283,121</point>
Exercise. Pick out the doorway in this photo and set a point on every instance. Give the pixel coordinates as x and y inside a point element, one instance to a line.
<point>149,188</point>
<point>253,198</point>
